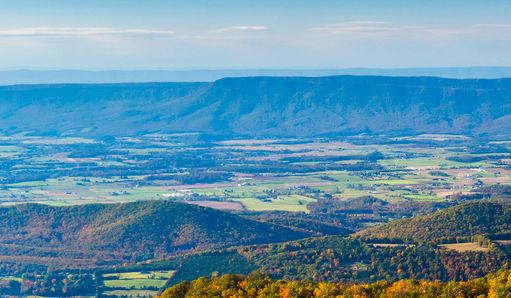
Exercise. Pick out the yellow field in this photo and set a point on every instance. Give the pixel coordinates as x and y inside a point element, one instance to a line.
<point>462,247</point>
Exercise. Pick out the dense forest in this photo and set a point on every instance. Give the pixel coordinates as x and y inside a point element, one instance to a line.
<point>372,255</point>
<point>362,258</point>
<point>463,220</point>
<point>335,206</point>
<point>494,285</point>
<point>96,234</point>
<point>48,284</point>
<point>337,259</point>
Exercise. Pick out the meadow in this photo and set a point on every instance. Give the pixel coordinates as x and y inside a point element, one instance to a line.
<point>463,247</point>
<point>135,284</point>
<point>131,293</point>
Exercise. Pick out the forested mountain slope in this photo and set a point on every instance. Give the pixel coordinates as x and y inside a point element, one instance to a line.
<point>335,259</point>
<point>464,220</point>
<point>341,258</point>
<point>492,285</point>
<point>109,233</point>
<point>265,106</point>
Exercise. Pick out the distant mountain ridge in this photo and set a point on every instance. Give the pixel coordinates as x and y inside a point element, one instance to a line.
<point>25,76</point>
<point>265,107</point>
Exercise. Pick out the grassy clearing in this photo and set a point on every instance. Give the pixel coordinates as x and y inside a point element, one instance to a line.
<point>397,181</point>
<point>18,279</point>
<point>138,275</point>
<point>358,266</point>
<point>131,293</point>
<point>9,148</point>
<point>462,247</point>
<point>295,203</point>
<point>136,283</point>
<point>53,203</point>
<point>441,162</point>
<point>424,198</point>
<point>56,141</point>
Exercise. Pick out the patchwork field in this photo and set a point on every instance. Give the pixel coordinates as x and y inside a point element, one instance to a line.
<point>258,175</point>
<point>135,284</point>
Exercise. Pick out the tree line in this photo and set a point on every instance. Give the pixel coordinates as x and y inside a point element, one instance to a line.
<point>493,285</point>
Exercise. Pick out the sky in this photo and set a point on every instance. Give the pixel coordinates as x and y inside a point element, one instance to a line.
<point>228,34</point>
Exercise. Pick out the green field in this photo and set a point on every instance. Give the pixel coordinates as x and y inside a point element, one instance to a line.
<point>423,198</point>
<point>138,275</point>
<point>12,278</point>
<point>56,141</point>
<point>433,162</point>
<point>131,293</point>
<point>135,283</point>
<point>294,203</point>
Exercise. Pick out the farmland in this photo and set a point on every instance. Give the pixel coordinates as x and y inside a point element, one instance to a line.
<point>257,175</point>
<point>312,187</point>
<point>462,247</point>
<point>135,284</point>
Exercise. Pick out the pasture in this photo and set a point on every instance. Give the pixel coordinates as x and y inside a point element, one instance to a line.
<point>131,293</point>
<point>140,275</point>
<point>295,203</point>
<point>462,247</point>
<point>18,279</point>
<point>136,283</point>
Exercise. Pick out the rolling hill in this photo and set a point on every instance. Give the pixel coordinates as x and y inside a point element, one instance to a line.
<point>114,233</point>
<point>464,220</point>
<point>357,259</point>
<point>264,106</point>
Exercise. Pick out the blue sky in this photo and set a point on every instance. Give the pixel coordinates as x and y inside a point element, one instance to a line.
<point>154,34</point>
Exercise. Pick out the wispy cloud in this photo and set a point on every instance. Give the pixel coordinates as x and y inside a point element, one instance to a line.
<point>67,31</point>
<point>372,29</point>
<point>360,28</point>
<point>228,33</point>
<point>241,28</point>
<point>368,34</point>
<point>355,23</point>
<point>493,25</point>
<point>476,31</point>
<point>356,26</point>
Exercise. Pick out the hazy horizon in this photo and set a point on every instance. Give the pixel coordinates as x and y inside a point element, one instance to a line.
<point>225,34</point>
<point>16,77</point>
